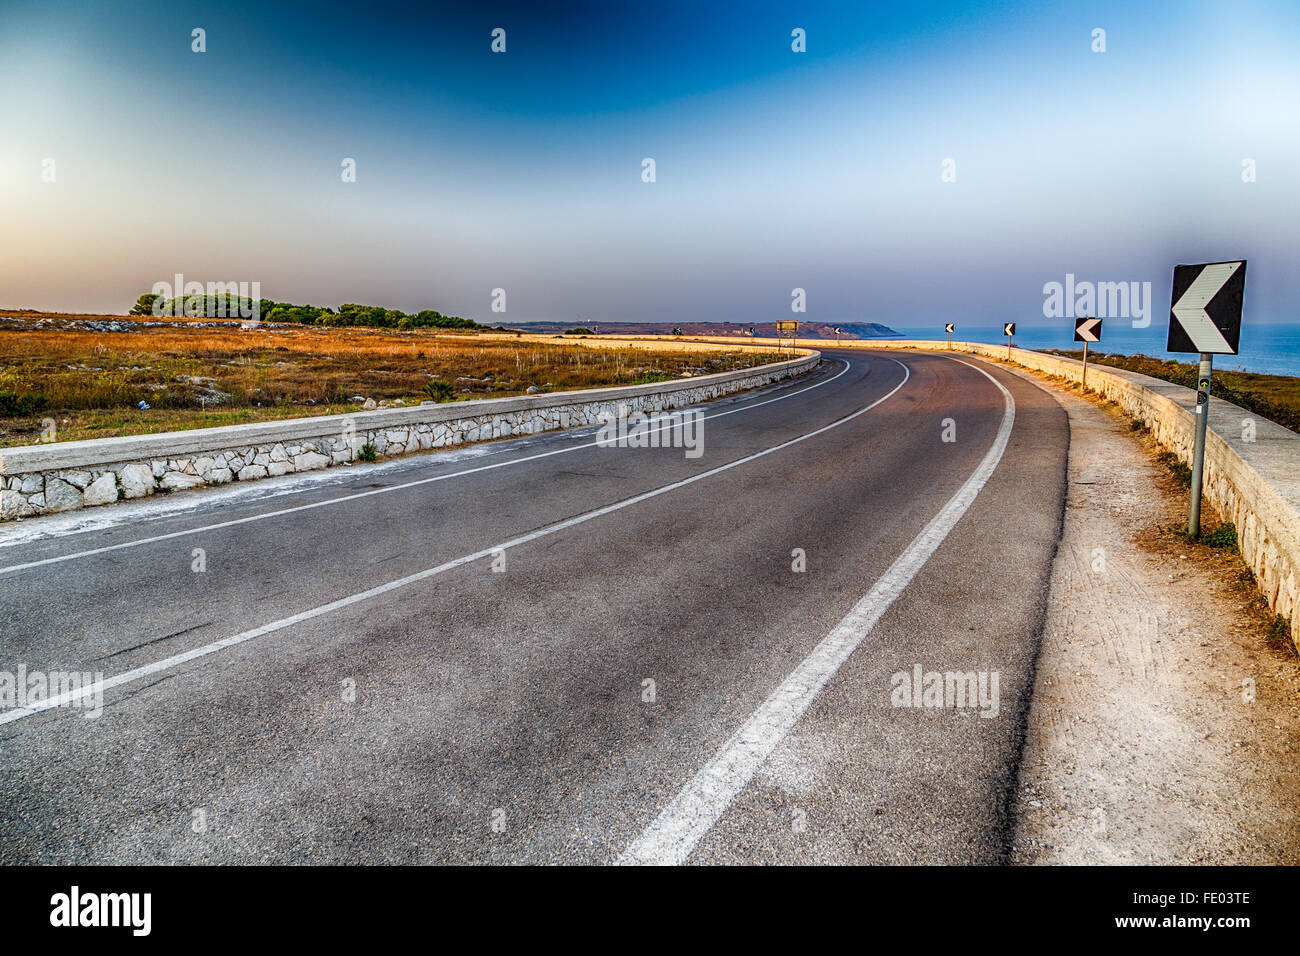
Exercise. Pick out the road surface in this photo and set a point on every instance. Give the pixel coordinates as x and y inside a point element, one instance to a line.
<point>647,678</point>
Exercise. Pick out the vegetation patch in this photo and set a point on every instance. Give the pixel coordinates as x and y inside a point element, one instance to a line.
<point>439,390</point>
<point>1224,537</point>
<point>1178,468</point>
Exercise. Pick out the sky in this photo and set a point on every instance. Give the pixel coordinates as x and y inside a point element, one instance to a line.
<point>822,170</point>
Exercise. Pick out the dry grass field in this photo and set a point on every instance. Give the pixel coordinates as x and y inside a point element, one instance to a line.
<point>91,383</point>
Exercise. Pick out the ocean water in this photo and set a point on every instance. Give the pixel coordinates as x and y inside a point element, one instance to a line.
<point>1264,347</point>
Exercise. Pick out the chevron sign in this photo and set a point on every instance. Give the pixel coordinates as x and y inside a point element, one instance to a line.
<point>1087,330</point>
<point>1205,308</point>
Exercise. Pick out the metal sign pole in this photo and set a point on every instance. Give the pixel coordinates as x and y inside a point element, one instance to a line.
<point>1198,451</point>
<point>1085,366</point>
<point>1008,346</point>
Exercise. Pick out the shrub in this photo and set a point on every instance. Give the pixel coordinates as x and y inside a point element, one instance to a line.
<point>11,403</point>
<point>1279,632</point>
<point>1180,469</point>
<point>1224,536</point>
<point>367,452</point>
<point>439,390</point>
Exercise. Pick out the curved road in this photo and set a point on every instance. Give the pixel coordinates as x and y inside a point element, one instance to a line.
<point>647,679</point>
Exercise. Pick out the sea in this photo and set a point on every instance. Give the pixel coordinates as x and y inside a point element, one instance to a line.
<point>1272,348</point>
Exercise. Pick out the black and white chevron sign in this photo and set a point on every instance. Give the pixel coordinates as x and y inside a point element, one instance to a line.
<point>1087,330</point>
<point>1009,329</point>
<point>1205,308</point>
<point>950,327</point>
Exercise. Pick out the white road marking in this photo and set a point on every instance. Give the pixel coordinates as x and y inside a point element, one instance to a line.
<point>681,825</point>
<point>205,650</point>
<point>377,491</point>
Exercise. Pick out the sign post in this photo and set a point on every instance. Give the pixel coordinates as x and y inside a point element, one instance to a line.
<point>1198,449</point>
<point>949,329</point>
<point>1205,317</point>
<point>1085,331</point>
<point>1010,329</point>
<point>788,325</point>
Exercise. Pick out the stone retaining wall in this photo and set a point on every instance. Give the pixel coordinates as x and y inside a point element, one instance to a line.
<point>61,476</point>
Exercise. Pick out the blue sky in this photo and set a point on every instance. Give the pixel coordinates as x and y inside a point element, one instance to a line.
<point>775,169</point>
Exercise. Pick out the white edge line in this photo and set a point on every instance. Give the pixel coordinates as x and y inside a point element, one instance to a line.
<point>167,663</point>
<point>376,491</point>
<point>680,826</point>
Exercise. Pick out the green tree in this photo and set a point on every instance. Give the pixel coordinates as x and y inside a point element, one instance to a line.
<point>144,304</point>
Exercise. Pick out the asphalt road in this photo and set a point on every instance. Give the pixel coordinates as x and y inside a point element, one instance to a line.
<point>466,714</point>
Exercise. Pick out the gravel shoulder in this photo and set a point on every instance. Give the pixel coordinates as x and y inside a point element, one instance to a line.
<point>1165,721</point>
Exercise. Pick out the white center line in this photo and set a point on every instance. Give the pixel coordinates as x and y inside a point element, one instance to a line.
<point>175,660</point>
<point>681,825</point>
<point>377,491</point>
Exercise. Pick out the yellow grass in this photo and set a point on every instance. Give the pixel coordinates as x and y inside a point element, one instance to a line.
<point>90,383</point>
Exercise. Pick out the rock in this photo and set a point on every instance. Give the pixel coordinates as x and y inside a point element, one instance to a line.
<point>370,403</point>
<point>101,491</point>
<point>14,505</point>
<point>61,496</point>
<point>309,461</point>
<point>136,479</point>
<point>532,390</point>
<point>34,483</point>
<point>175,480</point>
<point>277,468</point>
<point>252,472</point>
<point>219,476</point>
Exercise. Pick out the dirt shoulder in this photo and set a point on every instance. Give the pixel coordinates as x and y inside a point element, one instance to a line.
<point>1165,722</point>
